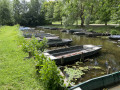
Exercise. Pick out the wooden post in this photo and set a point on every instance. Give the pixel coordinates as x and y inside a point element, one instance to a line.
<point>82,56</point>
<point>62,60</point>
<point>109,70</point>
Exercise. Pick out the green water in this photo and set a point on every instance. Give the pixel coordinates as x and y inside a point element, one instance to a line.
<point>109,55</point>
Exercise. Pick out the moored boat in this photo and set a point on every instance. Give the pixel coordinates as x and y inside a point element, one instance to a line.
<point>114,37</point>
<point>79,33</point>
<point>71,54</point>
<point>75,30</point>
<point>99,83</point>
<point>56,41</point>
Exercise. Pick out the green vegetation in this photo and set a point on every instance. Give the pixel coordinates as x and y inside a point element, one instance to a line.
<point>50,75</point>
<point>22,12</point>
<point>97,28</point>
<point>114,32</point>
<point>20,73</point>
<point>67,12</point>
<point>33,44</point>
<point>15,72</point>
<point>75,73</point>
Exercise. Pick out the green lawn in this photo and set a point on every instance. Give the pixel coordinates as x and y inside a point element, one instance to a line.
<point>92,27</point>
<point>15,72</point>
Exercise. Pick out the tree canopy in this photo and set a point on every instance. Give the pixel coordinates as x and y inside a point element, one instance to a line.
<point>68,12</point>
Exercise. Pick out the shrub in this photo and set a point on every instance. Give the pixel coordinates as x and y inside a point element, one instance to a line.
<point>33,44</point>
<point>90,30</point>
<point>39,58</point>
<point>98,22</point>
<point>113,32</point>
<point>50,75</point>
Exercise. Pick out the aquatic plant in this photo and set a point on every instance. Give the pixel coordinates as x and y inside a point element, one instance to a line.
<point>75,73</point>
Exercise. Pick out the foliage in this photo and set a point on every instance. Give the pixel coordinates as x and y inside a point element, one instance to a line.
<point>33,44</point>
<point>48,9</point>
<point>113,32</point>
<point>104,10</point>
<point>58,8</point>
<point>90,30</point>
<point>41,12</point>
<point>50,75</point>
<point>98,22</point>
<point>39,58</point>
<point>5,13</point>
<point>17,10</point>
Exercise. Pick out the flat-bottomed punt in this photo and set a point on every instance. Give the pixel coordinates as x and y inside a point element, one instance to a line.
<point>114,37</point>
<point>72,54</point>
<point>56,41</point>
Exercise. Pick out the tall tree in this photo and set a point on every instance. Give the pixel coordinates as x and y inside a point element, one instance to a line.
<point>17,11</point>
<point>104,11</point>
<point>58,8</point>
<point>5,12</point>
<point>49,10</point>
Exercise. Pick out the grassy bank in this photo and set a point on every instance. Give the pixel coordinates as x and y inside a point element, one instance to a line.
<point>101,28</point>
<point>15,72</point>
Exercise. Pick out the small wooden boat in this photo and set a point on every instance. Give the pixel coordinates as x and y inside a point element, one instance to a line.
<point>53,28</point>
<point>25,28</point>
<point>97,34</point>
<point>46,27</point>
<point>56,41</point>
<point>75,30</point>
<point>114,37</point>
<point>79,33</point>
<point>40,27</point>
<point>27,35</point>
<point>61,42</point>
<point>64,31</point>
<point>71,54</point>
<point>99,83</point>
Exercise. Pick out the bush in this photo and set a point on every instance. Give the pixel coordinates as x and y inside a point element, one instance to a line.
<point>33,44</point>
<point>90,30</point>
<point>98,22</point>
<point>48,71</point>
<point>39,58</point>
<point>114,32</point>
<point>50,75</point>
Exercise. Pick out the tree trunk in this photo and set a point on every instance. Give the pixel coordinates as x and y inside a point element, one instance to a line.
<point>105,23</point>
<point>82,15</point>
<point>82,22</point>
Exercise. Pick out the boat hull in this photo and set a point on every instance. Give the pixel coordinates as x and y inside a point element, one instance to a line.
<point>71,54</point>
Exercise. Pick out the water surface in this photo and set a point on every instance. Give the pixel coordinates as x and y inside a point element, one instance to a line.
<point>109,55</point>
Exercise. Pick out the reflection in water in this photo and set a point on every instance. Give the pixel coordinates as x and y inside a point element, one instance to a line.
<point>109,55</point>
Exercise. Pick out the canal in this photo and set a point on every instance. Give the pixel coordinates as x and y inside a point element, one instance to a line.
<point>108,57</point>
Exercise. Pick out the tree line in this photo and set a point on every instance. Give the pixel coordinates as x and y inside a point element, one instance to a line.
<point>22,12</point>
<point>68,12</point>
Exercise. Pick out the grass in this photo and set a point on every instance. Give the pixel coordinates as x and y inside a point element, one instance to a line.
<point>56,22</point>
<point>15,72</point>
<point>101,28</point>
